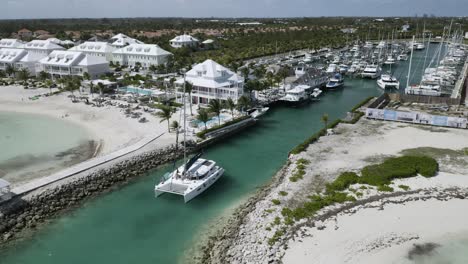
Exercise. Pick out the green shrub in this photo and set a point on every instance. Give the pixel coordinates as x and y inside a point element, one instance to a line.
<point>276,201</point>
<point>278,234</point>
<point>277,221</point>
<point>289,221</point>
<point>384,188</point>
<point>283,193</point>
<point>342,182</point>
<point>268,228</point>
<point>404,187</point>
<point>363,187</point>
<point>359,194</point>
<point>302,161</point>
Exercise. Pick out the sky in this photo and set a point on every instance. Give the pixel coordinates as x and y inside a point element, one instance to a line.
<point>22,9</point>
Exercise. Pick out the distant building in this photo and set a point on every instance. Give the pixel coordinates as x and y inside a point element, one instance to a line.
<point>405,28</point>
<point>11,43</point>
<point>40,32</point>
<point>5,193</point>
<point>379,20</point>
<point>184,41</point>
<point>249,23</point>
<point>25,33</point>
<point>211,80</point>
<point>98,49</point>
<point>61,63</point>
<point>145,54</point>
<point>122,40</point>
<point>348,30</point>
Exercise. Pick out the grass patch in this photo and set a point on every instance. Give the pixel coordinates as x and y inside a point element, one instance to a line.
<point>278,234</point>
<point>277,221</point>
<point>283,193</point>
<point>384,188</point>
<point>276,202</point>
<point>404,187</point>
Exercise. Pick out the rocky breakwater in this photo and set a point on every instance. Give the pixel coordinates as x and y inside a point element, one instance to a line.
<point>28,213</point>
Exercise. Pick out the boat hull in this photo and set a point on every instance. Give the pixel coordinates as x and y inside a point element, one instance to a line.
<point>190,194</point>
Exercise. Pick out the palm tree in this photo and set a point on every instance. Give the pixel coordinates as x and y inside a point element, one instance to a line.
<point>165,114</point>
<point>188,89</point>
<point>43,75</point>
<point>283,73</point>
<point>231,106</point>
<point>48,83</point>
<point>245,72</point>
<point>86,76</point>
<point>152,68</point>
<point>203,117</point>
<point>242,103</point>
<point>324,120</point>
<point>23,74</point>
<point>215,107</point>
<point>175,126</point>
<point>101,88</point>
<point>10,70</point>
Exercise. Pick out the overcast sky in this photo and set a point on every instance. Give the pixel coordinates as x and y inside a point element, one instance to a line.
<point>17,9</point>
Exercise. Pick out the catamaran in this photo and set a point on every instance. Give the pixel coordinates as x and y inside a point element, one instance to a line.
<point>193,177</point>
<point>388,81</point>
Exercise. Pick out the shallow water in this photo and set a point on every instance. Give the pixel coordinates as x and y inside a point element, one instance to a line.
<point>131,226</point>
<point>33,145</point>
<point>453,251</point>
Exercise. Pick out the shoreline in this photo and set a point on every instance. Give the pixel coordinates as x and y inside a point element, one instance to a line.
<point>244,246</point>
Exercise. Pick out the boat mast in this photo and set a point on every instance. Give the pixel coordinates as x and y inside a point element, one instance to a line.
<point>410,62</point>
<point>185,126</point>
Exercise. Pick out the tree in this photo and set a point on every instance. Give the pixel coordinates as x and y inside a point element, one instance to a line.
<point>203,117</point>
<point>43,75</point>
<point>175,126</point>
<point>23,74</point>
<point>152,68</point>
<point>215,107</point>
<point>101,88</point>
<point>165,114</point>
<point>324,120</point>
<point>283,73</point>
<point>243,103</point>
<point>231,106</point>
<point>245,72</point>
<point>48,83</point>
<point>86,76</point>
<point>188,89</point>
<point>10,70</point>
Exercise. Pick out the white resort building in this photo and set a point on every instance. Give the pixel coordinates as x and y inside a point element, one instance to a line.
<point>184,41</point>
<point>11,43</point>
<point>74,63</point>
<point>145,54</point>
<point>122,40</point>
<point>211,80</point>
<point>42,47</point>
<point>19,59</point>
<point>97,49</point>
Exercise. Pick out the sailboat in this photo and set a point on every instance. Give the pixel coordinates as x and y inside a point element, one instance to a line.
<point>193,177</point>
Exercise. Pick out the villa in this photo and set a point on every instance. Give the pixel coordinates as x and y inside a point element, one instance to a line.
<point>145,54</point>
<point>73,63</point>
<point>5,193</point>
<point>11,43</point>
<point>25,33</point>
<point>9,57</point>
<point>97,49</point>
<point>184,41</point>
<point>122,40</point>
<point>42,47</point>
<point>211,80</point>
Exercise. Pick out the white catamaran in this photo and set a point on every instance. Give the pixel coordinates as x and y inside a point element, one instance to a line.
<point>193,177</point>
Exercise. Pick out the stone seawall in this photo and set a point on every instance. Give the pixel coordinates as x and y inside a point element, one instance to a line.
<point>20,214</point>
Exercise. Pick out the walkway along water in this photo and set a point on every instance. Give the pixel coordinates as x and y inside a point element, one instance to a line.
<point>131,226</point>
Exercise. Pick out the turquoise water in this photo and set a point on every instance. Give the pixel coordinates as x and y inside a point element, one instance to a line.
<point>136,90</point>
<point>131,226</point>
<point>30,143</point>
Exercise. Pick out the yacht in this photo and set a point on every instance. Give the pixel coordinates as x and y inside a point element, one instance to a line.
<point>390,60</point>
<point>193,177</point>
<point>335,82</point>
<point>368,45</point>
<point>190,179</point>
<point>300,70</point>
<point>424,89</point>
<point>388,81</point>
<point>332,68</point>
<point>343,68</point>
<point>297,95</point>
<point>316,93</point>
<point>419,46</point>
<point>371,71</point>
<point>402,57</point>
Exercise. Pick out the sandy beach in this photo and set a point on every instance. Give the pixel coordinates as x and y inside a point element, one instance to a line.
<point>352,236</point>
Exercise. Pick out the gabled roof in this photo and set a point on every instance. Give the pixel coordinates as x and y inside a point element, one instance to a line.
<point>11,43</point>
<point>212,74</point>
<point>42,45</point>
<point>90,46</point>
<point>24,30</point>
<point>12,55</point>
<point>184,38</point>
<point>92,60</point>
<point>143,49</point>
<point>62,58</point>
<point>121,40</point>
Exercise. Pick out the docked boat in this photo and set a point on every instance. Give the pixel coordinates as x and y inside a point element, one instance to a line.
<point>419,46</point>
<point>390,60</point>
<point>298,95</point>
<point>371,71</point>
<point>335,82</point>
<point>258,111</point>
<point>316,93</point>
<point>402,57</point>
<point>387,81</point>
<point>343,68</point>
<point>424,89</point>
<point>190,179</point>
<point>332,68</point>
<point>300,70</point>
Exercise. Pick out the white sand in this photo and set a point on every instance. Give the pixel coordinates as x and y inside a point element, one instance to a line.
<point>353,147</point>
<point>381,236</point>
<point>106,124</point>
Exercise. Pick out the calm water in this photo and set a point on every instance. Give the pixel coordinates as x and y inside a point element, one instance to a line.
<point>131,226</point>
<point>30,144</point>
